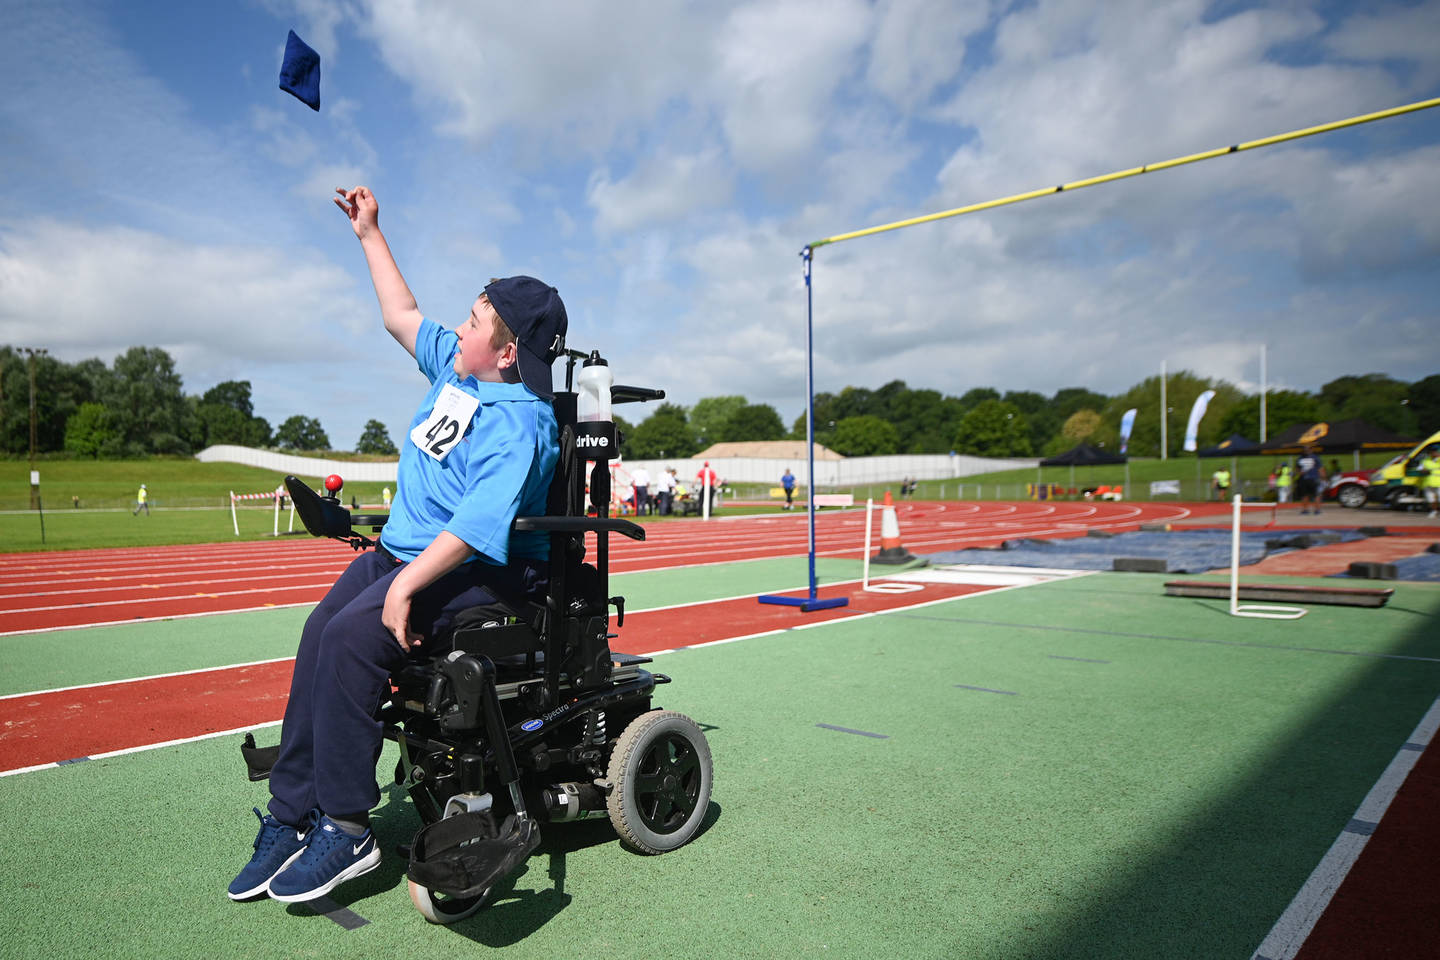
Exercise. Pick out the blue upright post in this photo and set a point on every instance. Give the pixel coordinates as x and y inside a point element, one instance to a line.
<point>813,602</point>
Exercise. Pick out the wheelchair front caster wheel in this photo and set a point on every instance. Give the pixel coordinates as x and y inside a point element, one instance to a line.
<point>438,908</point>
<point>661,774</point>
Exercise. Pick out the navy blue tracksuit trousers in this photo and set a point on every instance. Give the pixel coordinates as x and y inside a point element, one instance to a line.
<point>330,740</point>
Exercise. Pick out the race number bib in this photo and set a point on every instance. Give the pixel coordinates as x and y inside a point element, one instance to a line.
<point>438,433</point>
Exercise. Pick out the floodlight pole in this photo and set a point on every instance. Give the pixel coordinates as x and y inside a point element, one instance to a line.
<point>813,602</point>
<point>1264,388</point>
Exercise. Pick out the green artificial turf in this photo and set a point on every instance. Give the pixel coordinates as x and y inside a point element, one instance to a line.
<point>1156,780</point>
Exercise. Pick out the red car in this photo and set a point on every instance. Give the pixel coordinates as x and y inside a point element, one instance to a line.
<point>1349,489</point>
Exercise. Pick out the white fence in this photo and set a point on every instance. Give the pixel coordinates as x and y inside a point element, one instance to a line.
<point>851,471</point>
<point>299,466</point>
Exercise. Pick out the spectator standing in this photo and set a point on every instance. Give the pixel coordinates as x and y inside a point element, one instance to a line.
<point>1221,480</point>
<point>1283,479</point>
<point>788,482</point>
<point>710,477</point>
<point>640,479</point>
<point>142,502</point>
<point>385,496</point>
<point>665,491</point>
<point>1311,480</point>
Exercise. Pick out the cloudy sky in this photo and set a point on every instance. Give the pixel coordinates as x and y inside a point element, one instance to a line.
<point>663,163</point>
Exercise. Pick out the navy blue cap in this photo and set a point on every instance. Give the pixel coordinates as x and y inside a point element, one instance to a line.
<point>300,72</point>
<point>535,313</point>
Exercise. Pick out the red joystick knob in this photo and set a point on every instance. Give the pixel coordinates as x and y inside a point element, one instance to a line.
<point>333,483</point>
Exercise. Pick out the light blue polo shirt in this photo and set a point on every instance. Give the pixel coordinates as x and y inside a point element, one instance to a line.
<point>500,469</point>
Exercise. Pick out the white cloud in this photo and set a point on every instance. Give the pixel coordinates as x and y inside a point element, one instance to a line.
<point>660,190</point>
<point>779,65</point>
<point>571,76</point>
<point>918,45</point>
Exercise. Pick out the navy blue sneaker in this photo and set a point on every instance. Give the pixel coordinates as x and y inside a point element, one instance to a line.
<point>331,857</point>
<point>276,847</point>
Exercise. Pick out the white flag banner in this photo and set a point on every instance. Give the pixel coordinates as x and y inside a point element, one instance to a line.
<point>1127,423</point>
<point>1196,412</point>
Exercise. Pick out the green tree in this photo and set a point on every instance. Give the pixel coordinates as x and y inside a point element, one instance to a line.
<point>1080,426</point>
<point>60,389</point>
<point>709,419</point>
<point>1038,413</point>
<point>301,433</point>
<point>1069,399</point>
<point>1376,398</point>
<point>375,439</point>
<point>994,428</point>
<point>1283,409</point>
<point>88,432</point>
<point>1181,390</point>
<point>147,407</point>
<point>623,431</point>
<point>975,396</point>
<point>924,420</point>
<point>864,436</point>
<point>755,421</point>
<point>1425,403</point>
<point>665,433</point>
<point>234,394</point>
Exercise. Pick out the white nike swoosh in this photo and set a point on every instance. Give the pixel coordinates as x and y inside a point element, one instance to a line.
<point>360,846</point>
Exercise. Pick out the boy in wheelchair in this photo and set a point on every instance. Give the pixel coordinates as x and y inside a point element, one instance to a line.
<point>467,548</point>
<point>482,450</point>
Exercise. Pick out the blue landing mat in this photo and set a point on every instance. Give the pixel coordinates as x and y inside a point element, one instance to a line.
<point>1184,551</point>
<point>1424,568</point>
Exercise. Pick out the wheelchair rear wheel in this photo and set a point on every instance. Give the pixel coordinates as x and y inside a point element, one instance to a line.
<point>661,773</point>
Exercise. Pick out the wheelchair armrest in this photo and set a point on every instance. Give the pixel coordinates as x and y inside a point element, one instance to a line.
<point>581,525</point>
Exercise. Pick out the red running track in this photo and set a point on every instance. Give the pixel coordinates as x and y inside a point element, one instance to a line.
<point>52,591</point>
<point>60,725</point>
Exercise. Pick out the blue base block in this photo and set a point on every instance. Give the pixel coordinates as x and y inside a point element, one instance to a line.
<point>806,604</point>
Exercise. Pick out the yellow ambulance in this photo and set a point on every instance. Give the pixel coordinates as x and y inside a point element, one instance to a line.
<point>1399,483</point>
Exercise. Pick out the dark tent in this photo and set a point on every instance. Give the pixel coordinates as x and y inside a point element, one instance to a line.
<point>1343,436</point>
<point>1083,456</point>
<point>1233,446</point>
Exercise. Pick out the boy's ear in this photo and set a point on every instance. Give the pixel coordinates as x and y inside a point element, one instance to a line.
<point>508,356</point>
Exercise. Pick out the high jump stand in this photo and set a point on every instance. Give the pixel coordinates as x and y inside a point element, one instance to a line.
<point>1255,611</point>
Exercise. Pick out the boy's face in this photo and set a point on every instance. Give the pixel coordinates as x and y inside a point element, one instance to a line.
<point>475,357</point>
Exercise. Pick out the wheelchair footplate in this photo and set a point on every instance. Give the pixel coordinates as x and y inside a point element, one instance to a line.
<point>465,855</point>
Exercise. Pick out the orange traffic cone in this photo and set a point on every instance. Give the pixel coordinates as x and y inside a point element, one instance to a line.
<point>890,549</point>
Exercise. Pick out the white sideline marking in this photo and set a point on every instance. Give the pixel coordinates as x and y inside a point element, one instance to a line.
<point>858,616</point>
<point>983,575</point>
<point>654,653</point>
<point>174,616</point>
<point>148,746</point>
<point>153,676</point>
<point>1291,930</point>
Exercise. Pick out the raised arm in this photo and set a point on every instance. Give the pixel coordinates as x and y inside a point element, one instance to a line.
<point>397,304</point>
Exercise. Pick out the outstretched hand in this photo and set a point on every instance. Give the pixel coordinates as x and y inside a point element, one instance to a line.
<point>359,204</point>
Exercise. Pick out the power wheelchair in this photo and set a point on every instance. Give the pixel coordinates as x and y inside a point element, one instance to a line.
<point>527,714</point>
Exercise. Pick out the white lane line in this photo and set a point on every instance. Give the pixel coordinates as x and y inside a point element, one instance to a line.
<point>153,676</point>
<point>143,747</point>
<point>1293,928</point>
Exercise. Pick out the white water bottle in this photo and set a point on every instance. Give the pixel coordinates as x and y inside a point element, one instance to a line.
<point>592,388</point>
